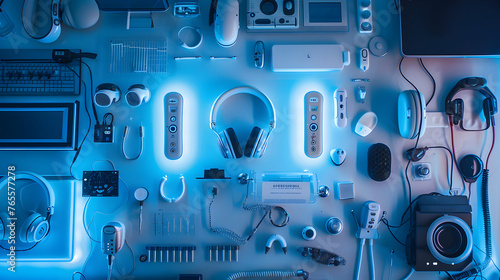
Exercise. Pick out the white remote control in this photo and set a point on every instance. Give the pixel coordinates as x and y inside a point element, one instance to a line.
<point>370,215</point>
<point>364,59</point>
<point>313,105</point>
<point>340,102</point>
<point>173,103</point>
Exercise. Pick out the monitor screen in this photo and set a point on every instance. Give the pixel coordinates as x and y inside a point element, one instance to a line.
<point>38,126</point>
<point>450,27</point>
<point>132,5</point>
<point>325,12</point>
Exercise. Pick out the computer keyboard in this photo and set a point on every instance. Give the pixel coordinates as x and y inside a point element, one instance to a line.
<point>33,72</point>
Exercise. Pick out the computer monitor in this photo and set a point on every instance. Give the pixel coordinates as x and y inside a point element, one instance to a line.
<point>132,5</point>
<point>38,126</point>
<point>459,28</point>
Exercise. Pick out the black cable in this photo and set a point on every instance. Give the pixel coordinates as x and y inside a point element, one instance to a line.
<point>449,275</point>
<point>23,250</point>
<point>421,62</point>
<point>386,222</point>
<point>396,5</point>
<point>91,89</point>
<point>452,163</point>
<point>105,119</point>
<point>418,137</point>
<point>90,122</point>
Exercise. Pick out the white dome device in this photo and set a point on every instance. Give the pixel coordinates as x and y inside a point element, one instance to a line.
<point>412,116</point>
<point>225,16</point>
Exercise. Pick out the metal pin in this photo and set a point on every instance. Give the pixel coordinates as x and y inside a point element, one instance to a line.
<point>216,253</point>
<point>173,254</point>
<point>180,254</point>
<point>186,250</point>
<point>155,254</point>
<point>187,57</point>
<point>237,249</point>
<point>149,253</point>
<point>223,253</point>
<point>168,254</point>
<point>192,253</point>
<point>390,270</point>
<point>210,253</point>
<point>161,254</point>
<point>222,57</point>
<point>230,253</point>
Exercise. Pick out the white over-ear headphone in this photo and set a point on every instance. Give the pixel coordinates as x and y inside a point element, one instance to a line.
<point>42,18</point>
<point>37,225</point>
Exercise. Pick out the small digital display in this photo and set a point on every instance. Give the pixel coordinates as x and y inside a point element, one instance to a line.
<point>325,12</point>
<point>173,109</point>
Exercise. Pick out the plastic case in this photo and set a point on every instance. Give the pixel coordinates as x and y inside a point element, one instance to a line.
<point>283,187</point>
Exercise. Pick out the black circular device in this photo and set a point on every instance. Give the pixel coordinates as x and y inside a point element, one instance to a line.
<point>449,239</point>
<point>471,167</point>
<point>268,7</point>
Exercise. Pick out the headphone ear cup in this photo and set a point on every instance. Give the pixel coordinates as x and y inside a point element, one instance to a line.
<point>233,143</point>
<point>79,14</point>
<point>3,226</point>
<point>107,94</point>
<point>253,141</point>
<point>34,229</point>
<point>458,111</point>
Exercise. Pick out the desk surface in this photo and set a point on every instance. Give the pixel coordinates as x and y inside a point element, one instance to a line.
<point>200,82</point>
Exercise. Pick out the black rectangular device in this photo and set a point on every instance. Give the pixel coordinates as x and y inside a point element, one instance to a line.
<point>100,183</point>
<point>38,126</point>
<point>455,28</point>
<point>132,5</point>
<point>33,72</point>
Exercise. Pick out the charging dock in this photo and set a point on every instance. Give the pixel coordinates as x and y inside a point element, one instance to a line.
<point>103,133</point>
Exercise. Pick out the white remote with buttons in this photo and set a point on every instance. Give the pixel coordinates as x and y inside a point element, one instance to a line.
<point>340,102</point>
<point>173,103</point>
<point>313,112</point>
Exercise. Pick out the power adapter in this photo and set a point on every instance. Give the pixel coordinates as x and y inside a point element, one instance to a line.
<point>103,133</point>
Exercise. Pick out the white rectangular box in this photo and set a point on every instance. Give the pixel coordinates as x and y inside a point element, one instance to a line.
<point>307,58</point>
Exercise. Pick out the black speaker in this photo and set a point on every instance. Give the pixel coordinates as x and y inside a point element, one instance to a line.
<point>440,238</point>
<point>379,162</point>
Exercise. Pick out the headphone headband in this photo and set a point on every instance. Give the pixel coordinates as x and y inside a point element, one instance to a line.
<point>242,90</point>
<point>25,175</point>
<point>455,108</point>
<point>472,83</point>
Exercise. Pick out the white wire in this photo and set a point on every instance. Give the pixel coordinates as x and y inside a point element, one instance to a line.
<point>85,226</point>
<point>370,259</point>
<point>110,267</point>
<point>359,258</point>
<point>409,274</point>
<point>133,259</point>
<point>103,160</point>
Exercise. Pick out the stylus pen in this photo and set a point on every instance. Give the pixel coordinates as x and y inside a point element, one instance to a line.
<point>360,80</point>
<point>222,57</point>
<point>187,57</point>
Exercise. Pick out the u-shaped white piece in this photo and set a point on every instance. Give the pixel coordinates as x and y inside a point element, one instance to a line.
<point>169,194</point>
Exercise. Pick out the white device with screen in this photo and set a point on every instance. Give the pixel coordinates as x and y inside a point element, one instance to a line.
<point>329,14</point>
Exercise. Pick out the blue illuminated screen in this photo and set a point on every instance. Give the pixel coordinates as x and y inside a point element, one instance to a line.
<point>325,12</point>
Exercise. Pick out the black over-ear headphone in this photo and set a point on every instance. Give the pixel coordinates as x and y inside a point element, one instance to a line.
<point>259,137</point>
<point>455,108</point>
